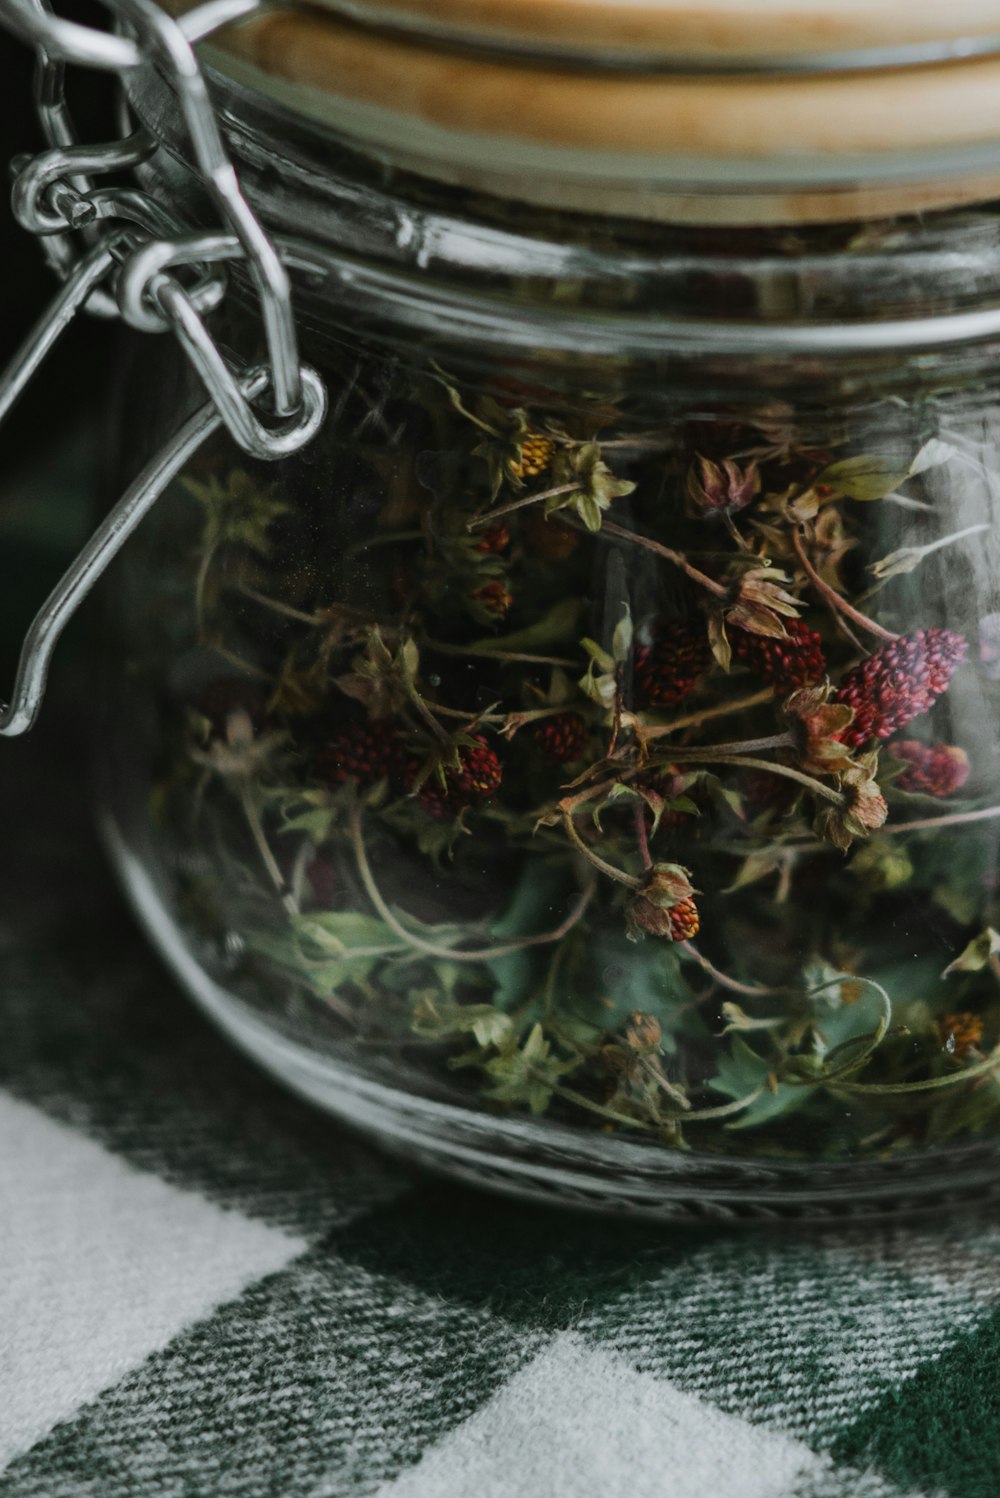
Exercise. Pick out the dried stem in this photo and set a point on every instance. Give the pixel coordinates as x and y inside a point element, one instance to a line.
<point>612,528</point>
<point>594,858</point>
<point>694,720</point>
<point>741,761</point>
<point>725,1110</point>
<point>953,819</point>
<point>436,949</point>
<point>263,847</point>
<point>485,653</point>
<point>478,521</point>
<point>749,990</point>
<point>833,598</point>
<point>642,836</point>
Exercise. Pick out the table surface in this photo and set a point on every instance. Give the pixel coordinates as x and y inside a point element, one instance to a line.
<point>208,1288</point>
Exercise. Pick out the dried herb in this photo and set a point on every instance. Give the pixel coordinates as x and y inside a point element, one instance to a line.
<point>583,769</point>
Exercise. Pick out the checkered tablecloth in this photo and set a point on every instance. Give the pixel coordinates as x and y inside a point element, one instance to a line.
<point>207,1288</point>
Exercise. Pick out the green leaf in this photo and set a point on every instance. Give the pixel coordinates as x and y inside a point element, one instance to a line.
<point>741,1072</point>
<point>527,1075</point>
<point>977,954</point>
<point>559,626</point>
<point>537,903</point>
<point>867,476</point>
<point>336,932</point>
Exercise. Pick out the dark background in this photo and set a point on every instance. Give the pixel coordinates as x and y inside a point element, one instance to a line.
<point>52,444</point>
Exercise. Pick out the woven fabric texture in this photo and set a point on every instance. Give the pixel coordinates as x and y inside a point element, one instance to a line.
<point>208,1288</point>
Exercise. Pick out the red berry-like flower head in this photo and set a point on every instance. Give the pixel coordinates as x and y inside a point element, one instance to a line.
<point>561,738</point>
<point>494,539</point>
<point>898,682</point>
<point>667,670</point>
<point>364,753</point>
<point>934,769</point>
<point>493,598</point>
<point>476,779</point>
<point>788,664</point>
<point>663,906</point>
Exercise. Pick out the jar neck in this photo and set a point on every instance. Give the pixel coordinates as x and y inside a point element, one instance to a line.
<point>370,243</point>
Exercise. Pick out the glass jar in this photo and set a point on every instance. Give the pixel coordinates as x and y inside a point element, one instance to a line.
<point>579,767</point>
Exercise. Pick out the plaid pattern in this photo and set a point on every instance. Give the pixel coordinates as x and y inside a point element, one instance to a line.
<point>207,1288</point>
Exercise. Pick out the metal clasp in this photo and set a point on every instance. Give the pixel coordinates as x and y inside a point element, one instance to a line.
<point>130,264</point>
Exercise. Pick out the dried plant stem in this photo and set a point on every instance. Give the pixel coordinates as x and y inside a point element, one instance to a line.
<point>484,653</point>
<point>609,869</point>
<point>990,1063</point>
<point>263,847</point>
<point>284,609</point>
<point>745,746</point>
<point>612,528</point>
<point>953,819</point>
<point>747,761</point>
<point>725,1110</point>
<point>437,949</point>
<point>570,1095</point>
<point>749,990</point>
<point>487,516</point>
<point>642,836</point>
<point>833,598</point>
<point>694,720</point>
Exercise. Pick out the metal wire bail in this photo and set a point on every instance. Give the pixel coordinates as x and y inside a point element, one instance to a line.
<point>120,253</point>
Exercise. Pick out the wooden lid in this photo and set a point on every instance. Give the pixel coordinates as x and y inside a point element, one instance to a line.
<point>757,126</point>
<point>713,31</point>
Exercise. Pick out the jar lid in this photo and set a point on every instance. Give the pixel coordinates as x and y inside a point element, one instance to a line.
<point>714,32</point>
<point>719,111</point>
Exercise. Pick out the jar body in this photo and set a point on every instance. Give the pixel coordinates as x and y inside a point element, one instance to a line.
<point>581,768</point>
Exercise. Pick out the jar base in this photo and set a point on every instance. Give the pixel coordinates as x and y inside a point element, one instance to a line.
<point>550,1163</point>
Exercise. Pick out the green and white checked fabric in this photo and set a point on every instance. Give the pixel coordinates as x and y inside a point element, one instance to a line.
<point>208,1289</point>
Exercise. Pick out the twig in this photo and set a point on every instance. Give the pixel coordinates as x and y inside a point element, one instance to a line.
<point>478,521</point>
<point>263,847</point>
<point>833,598</point>
<point>694,720</point>
<point>746,761</point>
<point>955,819</point>
<point>612,528</point>
<point>749,990</point>
<point>594,858</point>
<point>438,647</point>
<point>434,949</point>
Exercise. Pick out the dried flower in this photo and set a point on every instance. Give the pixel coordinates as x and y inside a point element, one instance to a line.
<point>757,601</point>
<point>667,670</point>
<point>863,808</point>
<point>643,1032</point>
<point>561,738</point>
<point>364,753</point>
<point>493,540</point>
<point>787,663</point>
<point>664,906</point>
<point>492,600</point>
<point>588,486</point>
<point>898,682</point>
<point>960,1033</point>
<point>934,769</point>
<point>715,489</point>
<point>476,777</point>
<point>534,455</point>
<point>818,726</point>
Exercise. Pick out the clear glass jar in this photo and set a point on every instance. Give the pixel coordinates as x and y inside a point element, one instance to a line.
<point>580,767</point>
